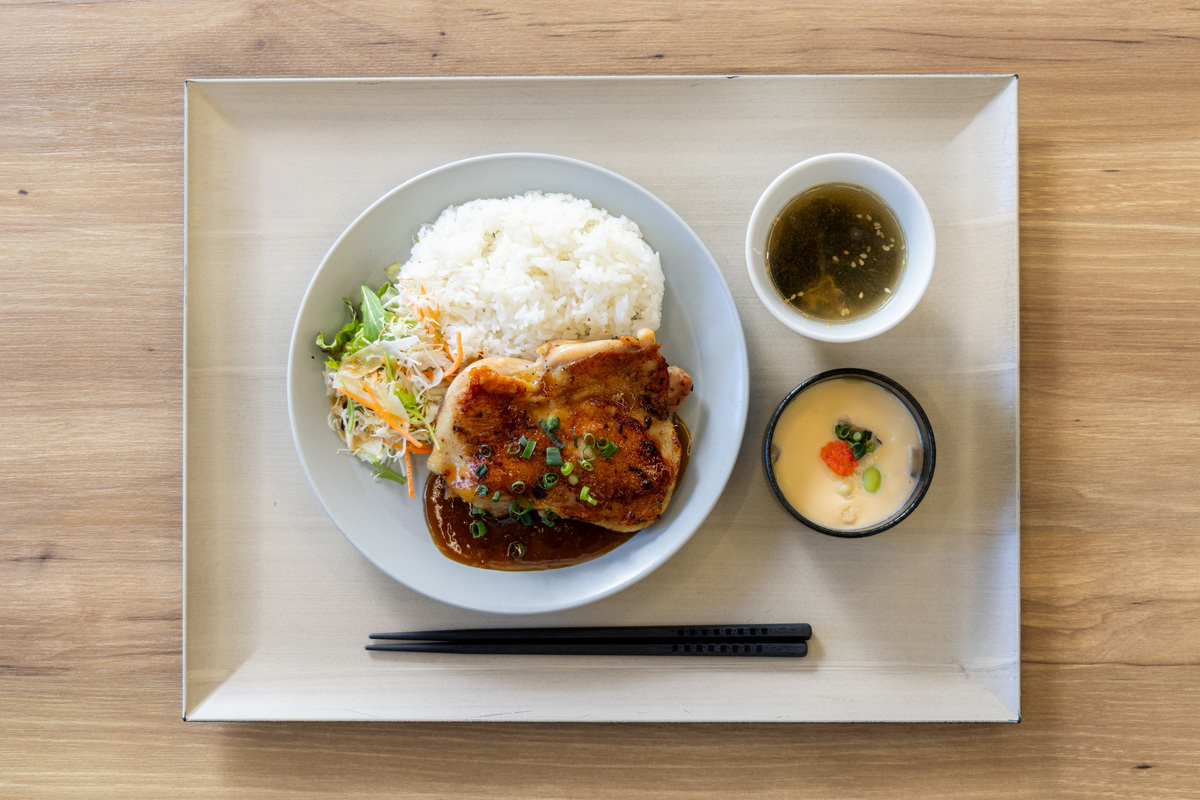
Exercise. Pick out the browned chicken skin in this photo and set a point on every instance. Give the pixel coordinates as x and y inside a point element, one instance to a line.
<point>619,389</point>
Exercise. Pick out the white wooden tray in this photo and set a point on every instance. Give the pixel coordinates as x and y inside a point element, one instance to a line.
<point>918,624</point>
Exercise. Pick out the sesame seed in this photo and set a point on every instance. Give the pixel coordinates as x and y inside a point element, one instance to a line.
<point>889,291</point>
<point>860,295</point>
<point>862,255</point>
<point>845,311</point>
<point>859,216</point>
<point>868,216</point>
<point>835,259</point>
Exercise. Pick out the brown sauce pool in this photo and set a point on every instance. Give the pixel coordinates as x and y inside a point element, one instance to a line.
<point>563,544</point>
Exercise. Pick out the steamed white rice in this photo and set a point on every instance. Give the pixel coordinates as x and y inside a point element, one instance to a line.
<point>512,274</point>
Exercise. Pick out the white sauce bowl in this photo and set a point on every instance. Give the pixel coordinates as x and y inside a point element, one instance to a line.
<point>895,190</point>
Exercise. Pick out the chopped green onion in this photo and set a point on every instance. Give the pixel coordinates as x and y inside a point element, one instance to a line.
<point>568,468</point>
<point>481,490</point>
<point>607,448</point>
<point>478,529</point>
<point>476,511</point>
<point>517,549</point>
<point>588,440</point>
<point>383,472</point>
<point>586,495</point>
<point>549,517</point>
<point>527,519</point>
<point>481,470</point>
<point>548,480</point>
<point>573,480</point>
<point>588,453</point>
<point>514,448</point>
<point>528,445</point>
<point>517,487</point>
<point>496,496</point>
<point>586,465</point>
<point>549,426</point>
<point>861,440</point>
<point>519,506</point>
<point>485,450</point>
<point>553,457</point>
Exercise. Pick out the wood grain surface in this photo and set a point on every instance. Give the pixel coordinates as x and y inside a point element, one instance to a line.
<point>91,200</point>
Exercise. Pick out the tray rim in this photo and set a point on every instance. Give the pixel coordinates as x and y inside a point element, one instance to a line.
<point>1011,80</point>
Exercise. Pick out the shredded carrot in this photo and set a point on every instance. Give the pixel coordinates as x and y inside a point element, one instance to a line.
<point>399,425</point>
<point>414,445</point>
<point>457,360</point>
<point>425,314</point>
<point>408,471</point>
<point>392,420</point>
<point>419,449</point>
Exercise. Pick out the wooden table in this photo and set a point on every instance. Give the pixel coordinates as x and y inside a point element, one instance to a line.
<point>90,343</point>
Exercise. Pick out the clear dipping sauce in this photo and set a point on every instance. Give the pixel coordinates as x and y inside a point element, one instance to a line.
<point>811,485</point>
<point>836,252</point>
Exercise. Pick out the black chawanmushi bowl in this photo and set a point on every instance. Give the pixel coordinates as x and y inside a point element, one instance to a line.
<point>928,455</point>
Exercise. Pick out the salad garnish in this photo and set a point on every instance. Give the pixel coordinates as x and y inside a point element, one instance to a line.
<point>386,372</point>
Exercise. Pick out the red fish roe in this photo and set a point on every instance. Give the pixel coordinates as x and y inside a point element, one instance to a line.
<point>839,458</point>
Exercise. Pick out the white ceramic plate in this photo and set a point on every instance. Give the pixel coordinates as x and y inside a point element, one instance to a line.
<point>701,332</point>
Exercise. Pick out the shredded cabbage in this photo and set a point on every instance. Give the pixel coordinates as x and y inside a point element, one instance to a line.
<point>386,374</point>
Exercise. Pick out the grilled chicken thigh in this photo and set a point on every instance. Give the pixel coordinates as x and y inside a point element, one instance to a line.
<point>617,392</point>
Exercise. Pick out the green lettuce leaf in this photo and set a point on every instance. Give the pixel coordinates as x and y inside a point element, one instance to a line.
<point>372,313</point>
<point>337,347</point>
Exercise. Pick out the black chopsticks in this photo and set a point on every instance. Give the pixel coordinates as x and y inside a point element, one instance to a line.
<point>786,640</point>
